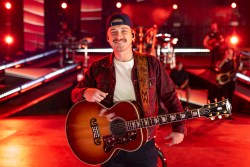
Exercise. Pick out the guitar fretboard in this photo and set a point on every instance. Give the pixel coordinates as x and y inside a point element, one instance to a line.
<point>162,119</point>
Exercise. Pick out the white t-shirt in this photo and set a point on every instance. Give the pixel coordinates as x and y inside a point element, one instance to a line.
<point>124,88</point>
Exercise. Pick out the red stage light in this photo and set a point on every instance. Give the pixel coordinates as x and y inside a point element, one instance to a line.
<point>175,6</point>
<point>8,5</point>
<point>64,5</point>
<point>234,40</point>
<point>8,39</point>
<point>233,5</point>
<point>118,4</point>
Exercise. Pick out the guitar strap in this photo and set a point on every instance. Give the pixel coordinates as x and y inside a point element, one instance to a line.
<point>143,79</point>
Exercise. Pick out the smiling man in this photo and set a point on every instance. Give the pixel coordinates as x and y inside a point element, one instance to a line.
<point>115,78</point>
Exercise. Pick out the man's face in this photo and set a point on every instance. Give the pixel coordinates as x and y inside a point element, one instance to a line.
<point>120,37</point>
<point>179,67</point>
<point>229,54</point>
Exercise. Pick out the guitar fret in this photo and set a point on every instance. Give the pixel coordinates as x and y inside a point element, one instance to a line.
<point>146,122</point>
<point>133,125</point>
<point>160,120</point>
<point>178,117</point>
<point>189,115</point>
<point>168,118</point>
<point>127,126</point>
<point>198,111</point>
<point>173,117</point>
<point>156,121</point>
<point>130,125</point>
<point>142,123</point>
<point>138,125</point>
<point>195,114</point>
<point>183,116</point>
<point>163,119</point>
<point>153,121</point>
<point>150,122</point>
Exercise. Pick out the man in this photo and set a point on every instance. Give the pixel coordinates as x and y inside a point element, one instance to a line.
<point>227,68</point>
<point>114,78</point>
<point>150,40</point>
<point>181,79</point>
<point>214,41</point>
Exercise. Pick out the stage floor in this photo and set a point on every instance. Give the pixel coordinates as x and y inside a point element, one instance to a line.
<point>40,141</point>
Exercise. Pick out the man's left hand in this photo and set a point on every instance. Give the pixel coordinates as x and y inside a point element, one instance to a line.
<point>176,138</point>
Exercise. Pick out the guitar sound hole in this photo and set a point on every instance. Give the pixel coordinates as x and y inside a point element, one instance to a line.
<point>118,127</point>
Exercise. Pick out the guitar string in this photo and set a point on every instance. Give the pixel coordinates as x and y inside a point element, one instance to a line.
<point>142,122</point>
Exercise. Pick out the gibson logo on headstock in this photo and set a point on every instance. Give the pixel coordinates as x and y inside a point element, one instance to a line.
<point>95,131</point>
<point>219,108</point>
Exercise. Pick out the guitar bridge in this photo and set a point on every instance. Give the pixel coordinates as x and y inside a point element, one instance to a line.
<point>111,141</point>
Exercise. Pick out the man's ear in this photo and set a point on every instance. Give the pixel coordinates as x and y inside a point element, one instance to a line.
<point>133,33</point>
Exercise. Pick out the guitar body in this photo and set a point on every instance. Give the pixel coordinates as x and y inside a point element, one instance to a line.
<point>212,43</point>
<point>94,138</point>
<point>223,78</point>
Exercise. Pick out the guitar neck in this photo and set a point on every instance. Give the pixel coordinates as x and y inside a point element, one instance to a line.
<point>162,119</point>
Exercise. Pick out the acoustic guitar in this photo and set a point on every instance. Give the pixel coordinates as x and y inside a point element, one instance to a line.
<point>94,138</point>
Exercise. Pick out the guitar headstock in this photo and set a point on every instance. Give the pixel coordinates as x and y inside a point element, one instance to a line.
<point>216,109</point>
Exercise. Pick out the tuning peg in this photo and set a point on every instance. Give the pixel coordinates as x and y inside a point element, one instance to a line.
<point>216,100</point>
<point>217,113</point>
<point>220,117</point>
<point>208,102</point>
<point>212,118</point>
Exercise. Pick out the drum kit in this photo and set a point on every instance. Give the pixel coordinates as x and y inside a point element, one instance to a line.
<point>67,48</point>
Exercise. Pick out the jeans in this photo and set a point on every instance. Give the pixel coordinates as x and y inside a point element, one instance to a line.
<point>146,156</point>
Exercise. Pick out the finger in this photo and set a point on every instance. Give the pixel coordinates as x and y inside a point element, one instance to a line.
<point>110,116</point>
<point>168,137</point>
<point>99,97</point>
<point>96,99</point>
<point>92,99</point>
<point>103,94</point>
<point>173,142</point>
<point>102,112</point>
<point>170,143</point>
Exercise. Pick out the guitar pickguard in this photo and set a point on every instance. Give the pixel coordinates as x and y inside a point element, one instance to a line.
<point>111,141</point>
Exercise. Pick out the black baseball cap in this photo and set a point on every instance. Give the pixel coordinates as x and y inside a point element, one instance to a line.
<point>124,17</point>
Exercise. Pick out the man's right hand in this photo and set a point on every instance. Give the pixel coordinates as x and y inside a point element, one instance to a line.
<point>94,95</point>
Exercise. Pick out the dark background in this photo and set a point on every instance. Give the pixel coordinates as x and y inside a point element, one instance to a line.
<point>193,17</point>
